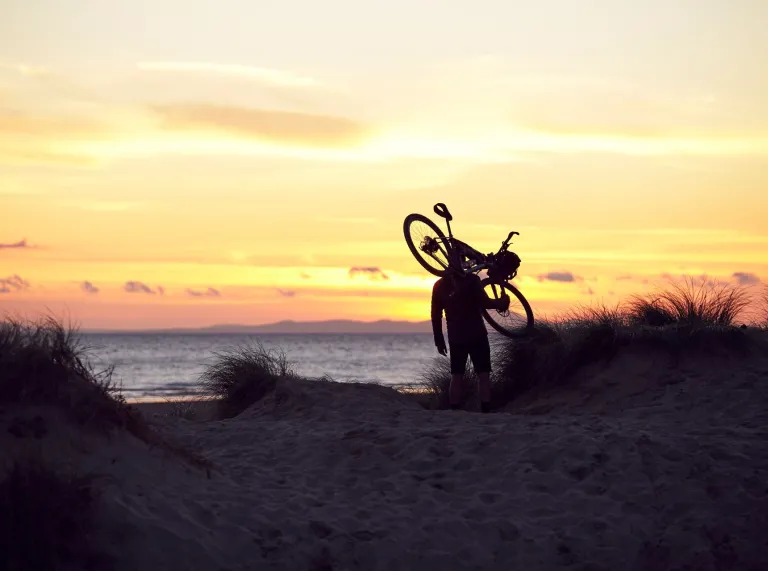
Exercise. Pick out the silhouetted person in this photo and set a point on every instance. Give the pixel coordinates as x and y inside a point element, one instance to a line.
<point>463,298</point>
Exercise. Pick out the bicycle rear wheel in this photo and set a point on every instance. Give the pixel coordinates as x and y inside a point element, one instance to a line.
<point>427,243</point>
<point>515,322</point>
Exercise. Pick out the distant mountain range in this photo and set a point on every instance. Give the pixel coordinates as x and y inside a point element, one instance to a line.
<point>330,326</point>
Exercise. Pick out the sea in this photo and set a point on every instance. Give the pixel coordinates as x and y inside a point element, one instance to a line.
<point>159,366</point>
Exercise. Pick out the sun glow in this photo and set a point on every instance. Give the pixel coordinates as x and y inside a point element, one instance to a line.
<point>265,172</point>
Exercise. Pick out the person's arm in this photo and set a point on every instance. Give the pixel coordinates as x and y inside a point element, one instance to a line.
<point>437,317</point>
<point>485,301</point>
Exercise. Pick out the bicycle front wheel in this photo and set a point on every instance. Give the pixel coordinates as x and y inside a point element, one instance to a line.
<point>517,321</point>
<point>427,243</point>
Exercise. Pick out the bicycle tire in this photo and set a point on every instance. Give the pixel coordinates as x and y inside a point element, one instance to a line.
<point>516,332</point>
<point>442,240</point>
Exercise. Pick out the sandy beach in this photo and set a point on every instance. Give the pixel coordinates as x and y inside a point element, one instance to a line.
<point>631,467</point>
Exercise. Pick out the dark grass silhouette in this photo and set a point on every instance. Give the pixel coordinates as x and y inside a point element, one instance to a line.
<point>47,520</point>
<point>690,303</point>
<point>46,517</point>
<point>242,376</point>
<point>45,363</point>
<point>685,318</point>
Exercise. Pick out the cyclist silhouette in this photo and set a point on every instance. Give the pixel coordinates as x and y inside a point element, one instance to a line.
<point>462,298</point>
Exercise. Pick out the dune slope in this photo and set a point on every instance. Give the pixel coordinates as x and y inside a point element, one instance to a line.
<point>633,466</point>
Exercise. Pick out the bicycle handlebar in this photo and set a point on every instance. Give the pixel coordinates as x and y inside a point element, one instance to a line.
<point>505,243</point>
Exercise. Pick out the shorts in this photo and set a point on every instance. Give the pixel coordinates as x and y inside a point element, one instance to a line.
<point>479,351</point>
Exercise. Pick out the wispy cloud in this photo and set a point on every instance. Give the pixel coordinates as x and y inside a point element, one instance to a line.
<point>13,284</point>
<point>275,126</point>
<point>373,272</point>
<point>286,292</point>
<point>210,292</point>
<point>23,69</point>
<point>27,138</point>
<point>89,288</point>
<point>139,287</point>
<point>566,277</point>
<point>746,278</point>
<point>21,244</point>
<point>36,156</point>
<point>25,124</point>
<point>261,74</point>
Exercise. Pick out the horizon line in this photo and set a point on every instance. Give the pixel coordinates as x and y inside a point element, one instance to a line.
<point>217,327</point>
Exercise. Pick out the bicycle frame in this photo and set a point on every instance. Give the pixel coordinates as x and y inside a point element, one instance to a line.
<point>462,248</point>
<point>458,250</point>
<point>454,257</point>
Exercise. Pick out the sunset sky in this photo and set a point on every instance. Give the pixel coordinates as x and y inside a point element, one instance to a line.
<point>185,163</point>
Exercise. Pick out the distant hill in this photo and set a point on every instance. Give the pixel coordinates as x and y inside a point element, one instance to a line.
<point>330,326</point>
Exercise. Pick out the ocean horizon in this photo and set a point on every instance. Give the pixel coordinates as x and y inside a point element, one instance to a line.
<point>163,365</point>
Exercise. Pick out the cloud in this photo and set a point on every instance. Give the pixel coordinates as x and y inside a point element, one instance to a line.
<point>210,292</point>
<point>15,245</point>
<point>567,277</point>
<point>262,74</point>
<point>373,272</point>
<point>161,290</point>
<point>625,277</point>
<point>89,288</point>
<point>25,124</point>
<point>27,138</point>
<point>286,292</point>
<point>276,126</point>
<point>746,278</point>
<point>15,156</point>
<point>13,284</point>
<point>23,69</point>
<point>305,276</point>
<point>139,287</point>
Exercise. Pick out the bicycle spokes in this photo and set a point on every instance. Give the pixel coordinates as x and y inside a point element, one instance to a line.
<point>497,295</point>
<point>432,245</point>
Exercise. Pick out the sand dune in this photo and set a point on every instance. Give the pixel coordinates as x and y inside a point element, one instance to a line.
<point>635,466</point>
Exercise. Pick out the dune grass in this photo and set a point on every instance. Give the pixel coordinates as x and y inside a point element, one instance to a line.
<point>693,316</point>
<point>242,376</point>
<point>47,520</point>
<point>47,363</point>
<point>690,303</point>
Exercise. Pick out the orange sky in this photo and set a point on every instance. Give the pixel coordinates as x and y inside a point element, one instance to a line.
<point>235,168</point>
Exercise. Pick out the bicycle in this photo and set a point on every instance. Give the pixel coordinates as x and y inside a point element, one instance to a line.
<point>441,255</point>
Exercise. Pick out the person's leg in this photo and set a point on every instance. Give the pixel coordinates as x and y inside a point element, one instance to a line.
<point>456,391</point>
<point>459,354</point>
<point>481,361</point>
<point>484,388</point>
